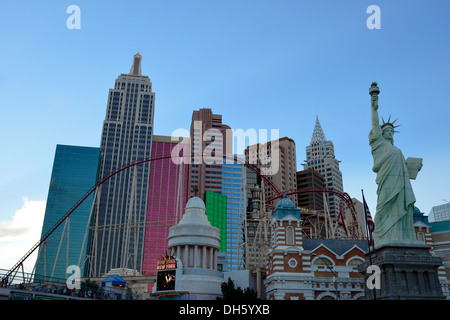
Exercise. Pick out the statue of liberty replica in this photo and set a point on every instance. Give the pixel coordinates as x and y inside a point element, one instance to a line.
<point>401,267</point>
<point>395,202</point>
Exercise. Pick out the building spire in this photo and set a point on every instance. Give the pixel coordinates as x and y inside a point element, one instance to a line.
<point>318,134</point>
<point>136,67</point>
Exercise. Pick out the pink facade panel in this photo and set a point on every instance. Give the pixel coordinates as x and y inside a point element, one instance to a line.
<point>166,201</point>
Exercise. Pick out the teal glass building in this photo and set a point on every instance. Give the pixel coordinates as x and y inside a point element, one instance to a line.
<point>75,170</point>
<point>234,187</point>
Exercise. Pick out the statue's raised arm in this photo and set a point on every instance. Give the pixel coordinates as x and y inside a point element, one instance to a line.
<point>374,91</point>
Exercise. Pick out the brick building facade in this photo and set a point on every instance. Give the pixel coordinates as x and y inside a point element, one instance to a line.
<point>301,268</point>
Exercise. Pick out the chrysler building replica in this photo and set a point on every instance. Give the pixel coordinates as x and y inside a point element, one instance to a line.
<point>320,157</point>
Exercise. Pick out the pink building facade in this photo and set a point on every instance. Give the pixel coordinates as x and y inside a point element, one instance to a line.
<point>167,197</point>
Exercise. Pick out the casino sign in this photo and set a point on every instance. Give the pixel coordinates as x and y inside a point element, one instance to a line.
<point>166,271</point>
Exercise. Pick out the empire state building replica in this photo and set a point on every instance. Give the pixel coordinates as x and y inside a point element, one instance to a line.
<point>119,224</point>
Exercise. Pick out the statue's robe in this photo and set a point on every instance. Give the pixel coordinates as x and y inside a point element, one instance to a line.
<point>395,203</point>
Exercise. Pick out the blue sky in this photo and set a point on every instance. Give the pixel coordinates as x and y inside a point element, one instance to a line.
<point>261,64</point>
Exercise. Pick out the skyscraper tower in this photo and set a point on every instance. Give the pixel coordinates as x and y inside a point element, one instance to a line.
<point>320,157</point>
<point>167,199</point>
<point>126,137</point>
<point>235,188</point>
<point>209,143</point>
<point>284,177</point>
<point>75,170</point>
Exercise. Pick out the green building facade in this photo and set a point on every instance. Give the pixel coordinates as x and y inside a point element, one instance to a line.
<point>216,211</point>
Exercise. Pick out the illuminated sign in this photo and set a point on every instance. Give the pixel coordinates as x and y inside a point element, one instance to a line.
<point>167,262</point>
<point>165,279</point>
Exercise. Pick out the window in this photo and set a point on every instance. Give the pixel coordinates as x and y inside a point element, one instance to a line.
<point>289,235</point>
<point>292,263</point>
<point>354,263</point>
<point>421,237</point>
<point>321,264</point>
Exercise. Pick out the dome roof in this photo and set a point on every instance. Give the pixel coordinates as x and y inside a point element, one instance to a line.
<point>195,212</point>
<point>194,227</point>
<point>417,211</point>
<point>285,203</point>
<point>419,216</point>
<point>285,208</point>
<point>195,202</point>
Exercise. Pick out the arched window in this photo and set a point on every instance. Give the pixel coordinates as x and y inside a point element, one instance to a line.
<point>289,235</point>
<point>421,237</point>
<point>354,263</point>
<point>322,264</point>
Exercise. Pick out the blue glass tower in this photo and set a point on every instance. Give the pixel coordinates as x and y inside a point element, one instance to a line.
<point>75,170</point>
<point>234,187</point>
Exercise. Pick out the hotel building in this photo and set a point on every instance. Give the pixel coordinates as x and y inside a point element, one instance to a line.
<point>281,156</point>
<point>75,170</point>
<point>118,239</point>
<point>209,144</point>
<point>167,197</point>
<point>320,157</point>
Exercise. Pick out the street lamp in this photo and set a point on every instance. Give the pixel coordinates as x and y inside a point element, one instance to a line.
<point>334,273</point>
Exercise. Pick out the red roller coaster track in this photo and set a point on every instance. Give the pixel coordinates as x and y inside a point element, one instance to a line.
<point>343,195</point>
<point>137,162</point>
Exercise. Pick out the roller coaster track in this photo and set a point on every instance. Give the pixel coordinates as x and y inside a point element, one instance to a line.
<point>110,175</point>
<point>252,167</point>
<point>342,195</point>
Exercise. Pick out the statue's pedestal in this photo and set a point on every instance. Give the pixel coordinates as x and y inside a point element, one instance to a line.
<point>408,272</point>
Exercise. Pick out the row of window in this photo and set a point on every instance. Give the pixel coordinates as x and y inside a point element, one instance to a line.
<point>213,172</point>
<point>239,185</point>
<point>234,175</point>
<point>232,225</point>
<point>232,180</point>
<point>231,169</point>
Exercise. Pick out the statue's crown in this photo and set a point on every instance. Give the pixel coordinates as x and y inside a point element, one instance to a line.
<point>389,123</point>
